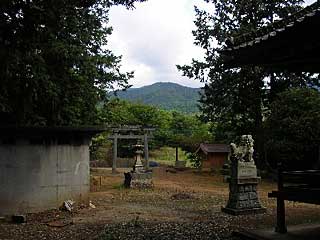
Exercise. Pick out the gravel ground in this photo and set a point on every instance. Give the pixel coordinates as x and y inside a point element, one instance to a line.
<point>166,231</point>
<point>216,226</point>
<point>183,205</point>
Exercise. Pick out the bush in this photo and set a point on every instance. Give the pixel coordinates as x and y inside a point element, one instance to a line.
<point>194,159</point>
<point>97,142</point>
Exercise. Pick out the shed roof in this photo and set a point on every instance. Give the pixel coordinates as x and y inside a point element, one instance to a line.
<point>61,131</point>
<point>291,43</point>
<point>213,148</point>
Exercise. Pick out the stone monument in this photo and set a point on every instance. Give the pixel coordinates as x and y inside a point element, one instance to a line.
<point>243,180</point>
<point>138,177</point>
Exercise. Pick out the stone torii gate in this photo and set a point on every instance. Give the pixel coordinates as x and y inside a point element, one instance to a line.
<point>130,132</point>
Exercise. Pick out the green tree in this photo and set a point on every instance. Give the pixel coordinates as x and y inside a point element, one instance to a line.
<point>187,132</point>
<point>118,112</point>
<point>115,112</point>
<point>172,128</point>
<point>234,100</point>
<point>54,66</point>
<point>293,129</point>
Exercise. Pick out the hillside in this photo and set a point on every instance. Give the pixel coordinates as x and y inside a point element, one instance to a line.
<point>166,95</point>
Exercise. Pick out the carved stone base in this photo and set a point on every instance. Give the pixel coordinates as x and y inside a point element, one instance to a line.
<point>237,212</point>
<point>243,199</point>
<point>138,180</point>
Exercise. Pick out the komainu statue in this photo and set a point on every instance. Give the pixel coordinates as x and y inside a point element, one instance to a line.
<point>243,152</point>
<point>243,180</point>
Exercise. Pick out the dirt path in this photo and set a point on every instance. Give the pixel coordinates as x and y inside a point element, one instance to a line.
<point>178,203</point>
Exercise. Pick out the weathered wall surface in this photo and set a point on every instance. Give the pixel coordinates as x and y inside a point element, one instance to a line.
<point>214,161</point>
<point>39,177</point>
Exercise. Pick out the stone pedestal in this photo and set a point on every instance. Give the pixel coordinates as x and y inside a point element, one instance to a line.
<point>243,199</point>
<point>141,180</point>
<point>243,195</point>
<point>138,180</point>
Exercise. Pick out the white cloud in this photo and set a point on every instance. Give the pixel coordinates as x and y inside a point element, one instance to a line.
<point>153,38</point>
<point>308,2</point>
<point>143,74</point>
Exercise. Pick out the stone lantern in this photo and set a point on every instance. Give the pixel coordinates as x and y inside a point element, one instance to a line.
<point>138,166</point>
<point>138,177</point>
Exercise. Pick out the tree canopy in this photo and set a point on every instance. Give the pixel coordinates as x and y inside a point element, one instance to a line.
<point>293,129</point>
<point>236,100</point>
<point>54,64</point>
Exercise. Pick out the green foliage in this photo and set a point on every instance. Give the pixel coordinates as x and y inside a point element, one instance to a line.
<point>172,128</point>
<point>118,112</point>
<point>54,66</point>
<point>194,159</point>
<point>97,142</point>
<point>293,129</point>
<point>119,186</point>
<point>168,96</point>
<point>234,101</point>
<point>187,131</point>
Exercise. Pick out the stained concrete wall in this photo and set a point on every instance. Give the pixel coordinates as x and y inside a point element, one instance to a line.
<point>34,178</point>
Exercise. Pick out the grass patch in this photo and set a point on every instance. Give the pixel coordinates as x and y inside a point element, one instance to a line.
<point>119,186</point>
<point>167,156</point>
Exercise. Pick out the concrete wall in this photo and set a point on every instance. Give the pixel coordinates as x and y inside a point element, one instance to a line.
<point>38,177</point>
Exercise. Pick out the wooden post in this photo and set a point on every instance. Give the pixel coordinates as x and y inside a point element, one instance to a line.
<point>115,153</point>
<point>146,151</point>
<point>281,214</point>
<point>318,163</point>
<point>177,154</point>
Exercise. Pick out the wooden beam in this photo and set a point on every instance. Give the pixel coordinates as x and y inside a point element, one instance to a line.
<point>133,128</point>
<point>128,137</point>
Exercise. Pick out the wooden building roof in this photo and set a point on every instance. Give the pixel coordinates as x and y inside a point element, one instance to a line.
<point>213,148</point>
<point>292,43</point>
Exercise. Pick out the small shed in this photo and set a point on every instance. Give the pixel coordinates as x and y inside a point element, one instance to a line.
<point>213,156</point>
<point>41,167</point>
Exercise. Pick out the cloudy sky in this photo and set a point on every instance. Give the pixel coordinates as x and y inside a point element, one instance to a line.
<point>154,37</point>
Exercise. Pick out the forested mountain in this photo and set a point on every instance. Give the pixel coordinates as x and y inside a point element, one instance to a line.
<point>166,95</point>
